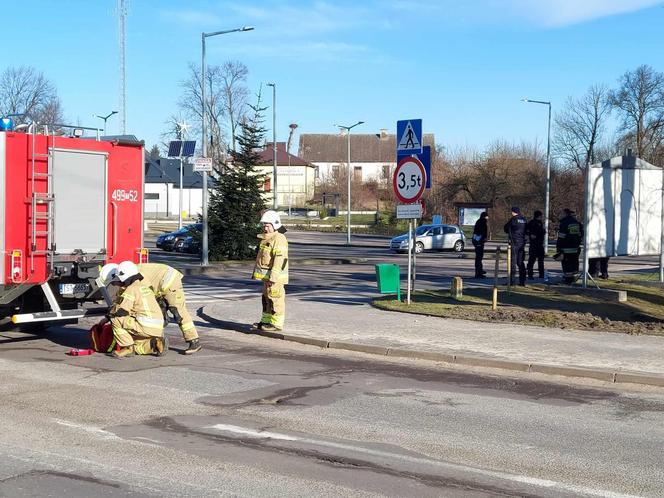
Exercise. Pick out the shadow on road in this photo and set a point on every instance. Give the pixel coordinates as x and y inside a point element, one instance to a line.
<point>245,328</point>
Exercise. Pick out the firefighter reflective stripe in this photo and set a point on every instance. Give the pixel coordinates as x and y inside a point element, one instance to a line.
<point>272,258</point>
<point>168,279</point>
<point>143,346</point>
<point>153,323</point>
<point>261,273</point>
<point>187,326</point>
<point>127,296</point>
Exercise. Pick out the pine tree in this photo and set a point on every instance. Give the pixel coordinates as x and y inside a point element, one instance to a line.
<point>154,152</point>
<point>236,201</point>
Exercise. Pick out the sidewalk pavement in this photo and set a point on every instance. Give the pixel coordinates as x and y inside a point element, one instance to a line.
<point>332,321</point>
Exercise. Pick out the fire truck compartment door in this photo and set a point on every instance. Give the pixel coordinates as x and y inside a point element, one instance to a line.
<point>79,185</point>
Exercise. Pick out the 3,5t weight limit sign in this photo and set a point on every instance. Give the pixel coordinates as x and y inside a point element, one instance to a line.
<point>409,180</point>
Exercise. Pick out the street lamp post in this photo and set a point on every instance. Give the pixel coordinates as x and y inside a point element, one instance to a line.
<point>292,127</point>
<point>204,248</point>
<point>348,128</point>
<point>105,118</point>
<point>547,194</point>
<point>274,144</point>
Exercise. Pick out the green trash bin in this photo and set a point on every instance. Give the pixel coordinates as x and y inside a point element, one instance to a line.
<point>388,279</point>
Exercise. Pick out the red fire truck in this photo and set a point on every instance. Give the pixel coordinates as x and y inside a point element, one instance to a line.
<point>68,205</point>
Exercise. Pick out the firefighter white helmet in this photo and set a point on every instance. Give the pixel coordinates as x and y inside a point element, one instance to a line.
<point>126,270</point>
<point>272,218</point>
<point>108,274</point>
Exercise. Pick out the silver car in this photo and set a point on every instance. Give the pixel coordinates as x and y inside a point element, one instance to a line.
<point>432,238</point>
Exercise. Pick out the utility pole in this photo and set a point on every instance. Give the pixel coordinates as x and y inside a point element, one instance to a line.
<point>122,15</point>
<point>274,144</point>
<point>348,128</point>
<point>204,244</point>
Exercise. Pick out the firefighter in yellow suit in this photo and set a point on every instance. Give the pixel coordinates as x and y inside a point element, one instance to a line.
<point>272,268</point>
<point>167,284</point>
<point>137,320</point>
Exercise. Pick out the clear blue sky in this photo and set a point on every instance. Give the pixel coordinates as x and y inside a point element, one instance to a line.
<point>460,65</point>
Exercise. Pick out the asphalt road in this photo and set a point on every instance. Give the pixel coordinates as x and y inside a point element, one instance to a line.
<point>249,416</point>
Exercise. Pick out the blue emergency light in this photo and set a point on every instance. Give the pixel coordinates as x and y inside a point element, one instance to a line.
<point>6,124</point>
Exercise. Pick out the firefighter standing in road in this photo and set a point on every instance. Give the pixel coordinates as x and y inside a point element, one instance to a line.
<point>137,320</point>
<point>535,233</point>
<point>570,236</point>
<point>480,234</point>
<point>516,231</point>
<point>167,285</point>
<point>272,269</point>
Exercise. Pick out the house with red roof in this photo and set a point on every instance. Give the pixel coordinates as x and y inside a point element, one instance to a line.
<point>295,176</point>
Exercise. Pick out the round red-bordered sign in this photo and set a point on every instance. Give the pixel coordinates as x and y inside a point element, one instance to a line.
<point>409,180</point>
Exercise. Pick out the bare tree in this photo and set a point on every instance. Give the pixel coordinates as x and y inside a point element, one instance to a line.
<point>24,90</point>
<point>235,93</point>
<point>640,101</point>
<point>226,95</point>
<point>580,127</point>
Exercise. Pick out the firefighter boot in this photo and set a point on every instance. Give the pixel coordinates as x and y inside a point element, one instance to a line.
<point>194,346</point>
<point>123,352</point>
<point>268,327</point>
<point>160,345</point>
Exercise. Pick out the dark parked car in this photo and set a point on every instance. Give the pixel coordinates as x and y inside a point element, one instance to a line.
<point>189,245</point>
<point>167,241</point>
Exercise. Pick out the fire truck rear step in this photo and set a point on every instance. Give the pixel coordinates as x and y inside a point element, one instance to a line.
<point>49,316</point>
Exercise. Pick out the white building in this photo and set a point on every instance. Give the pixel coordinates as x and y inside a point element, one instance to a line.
<point>372,155</point>
<point>295,177</point>
<point>162,190</point>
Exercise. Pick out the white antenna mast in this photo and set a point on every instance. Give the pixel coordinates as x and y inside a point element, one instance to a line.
<point>122,15</point>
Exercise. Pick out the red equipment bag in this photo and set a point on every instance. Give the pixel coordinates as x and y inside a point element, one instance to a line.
<point>101,338</point>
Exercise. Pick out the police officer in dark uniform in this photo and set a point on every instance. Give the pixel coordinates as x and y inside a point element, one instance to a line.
<point>516,232</point>
<point>535,234</point>
<point>568,245</point>
<point>480,234</point>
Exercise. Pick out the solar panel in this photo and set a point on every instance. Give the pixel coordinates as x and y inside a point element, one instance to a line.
<point>174,148</point>
<point>188,148</point>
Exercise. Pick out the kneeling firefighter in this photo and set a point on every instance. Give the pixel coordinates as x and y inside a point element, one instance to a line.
<point>136,317</point>
<point>272,268</point>
<point>167,285</point>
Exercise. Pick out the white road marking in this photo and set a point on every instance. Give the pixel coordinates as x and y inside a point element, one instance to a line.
<point>206,294</point>
<point>544,483</point>
<point>87,428</point>
<point>236,429</point>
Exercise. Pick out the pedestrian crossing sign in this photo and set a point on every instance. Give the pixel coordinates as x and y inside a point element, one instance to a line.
<point>409,136</point>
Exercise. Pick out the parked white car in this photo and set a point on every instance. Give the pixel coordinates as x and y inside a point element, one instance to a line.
<point>432,238</point>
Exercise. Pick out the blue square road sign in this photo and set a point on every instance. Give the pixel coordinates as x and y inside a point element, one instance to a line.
<point>409,136</point>
<point>425,159</point>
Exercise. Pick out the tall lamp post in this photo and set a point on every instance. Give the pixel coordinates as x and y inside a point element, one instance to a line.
<point>274,144</point>
<point>348,128</point>
<point>548,174</point>
<point>204,251</point>
<point>292,127</point>
<point>105,118</point>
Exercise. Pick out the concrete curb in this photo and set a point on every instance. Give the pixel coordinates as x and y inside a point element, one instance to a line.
<point>606,375</point>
